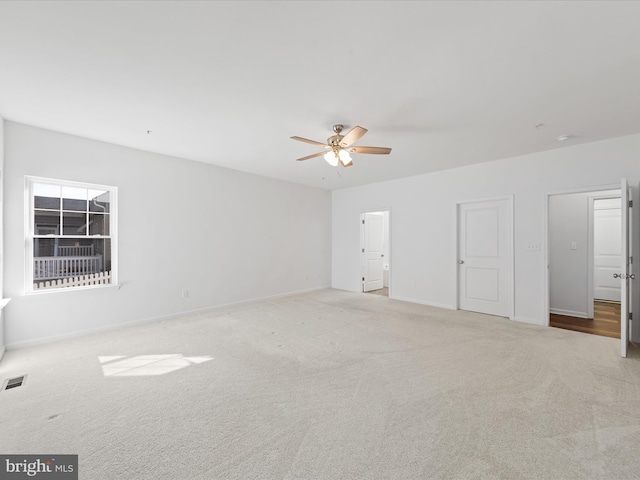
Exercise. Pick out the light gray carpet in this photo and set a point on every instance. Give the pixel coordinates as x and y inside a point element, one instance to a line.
<point>330,385</point>
<point>382,291</point>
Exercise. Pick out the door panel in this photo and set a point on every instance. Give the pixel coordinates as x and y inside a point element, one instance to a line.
<point>607,248</point>
<point>373,251</point>
<point>484,250</point>
<point>483,284</point>
<point>481,233</point>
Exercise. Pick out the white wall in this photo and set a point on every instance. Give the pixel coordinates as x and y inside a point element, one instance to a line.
<point>568,268</point>
<point>423,239</point>
<point>224,235</point>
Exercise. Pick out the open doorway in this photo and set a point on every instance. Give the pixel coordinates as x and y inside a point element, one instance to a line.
<point>375,246</point>
<point>584,247</point>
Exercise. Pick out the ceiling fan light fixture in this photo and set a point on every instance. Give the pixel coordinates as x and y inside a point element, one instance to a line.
<point>331,158</point>
<point>344,157</point>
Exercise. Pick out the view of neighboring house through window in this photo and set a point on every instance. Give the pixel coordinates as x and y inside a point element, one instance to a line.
<point>70,235</point>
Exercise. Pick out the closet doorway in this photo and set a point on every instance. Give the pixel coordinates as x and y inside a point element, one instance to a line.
<point>375,246</point>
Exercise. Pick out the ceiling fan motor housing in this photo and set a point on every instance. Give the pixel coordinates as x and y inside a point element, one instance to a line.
<point>334,141</point>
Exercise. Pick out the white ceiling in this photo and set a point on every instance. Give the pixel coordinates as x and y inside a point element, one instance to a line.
<point>444,84</point>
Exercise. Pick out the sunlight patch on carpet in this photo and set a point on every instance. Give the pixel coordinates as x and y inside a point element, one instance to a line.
<point>146,365</point>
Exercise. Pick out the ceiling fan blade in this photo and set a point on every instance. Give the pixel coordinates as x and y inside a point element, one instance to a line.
<point>352,136</point>
<point>377,150</point>
<point>311,156</point>
<point>312,142</point>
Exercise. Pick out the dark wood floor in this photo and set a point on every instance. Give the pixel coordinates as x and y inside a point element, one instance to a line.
<point>606,320</point>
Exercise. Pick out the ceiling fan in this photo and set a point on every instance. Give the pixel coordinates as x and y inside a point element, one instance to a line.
<point>338,146</point>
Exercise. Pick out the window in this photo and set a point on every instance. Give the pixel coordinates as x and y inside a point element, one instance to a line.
<point>70,235</point>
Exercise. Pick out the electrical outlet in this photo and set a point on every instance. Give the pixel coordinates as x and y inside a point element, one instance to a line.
<point>533,247</point>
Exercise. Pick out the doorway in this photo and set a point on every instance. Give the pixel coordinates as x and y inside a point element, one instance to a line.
<point>584,250</point>
<point>375,247</point>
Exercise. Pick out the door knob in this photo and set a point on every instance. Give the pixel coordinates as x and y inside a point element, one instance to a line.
<point>460,262</point>
<point>624,276</point>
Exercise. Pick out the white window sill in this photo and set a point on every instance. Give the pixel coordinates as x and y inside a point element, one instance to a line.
<point>46,291</point>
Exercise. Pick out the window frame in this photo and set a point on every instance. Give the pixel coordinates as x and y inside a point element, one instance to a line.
<point>30,235</point>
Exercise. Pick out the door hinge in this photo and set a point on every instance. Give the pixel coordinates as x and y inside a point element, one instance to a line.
<point>630,316</point>
<point>630,260</point>
<point>363,250</point>
<point>363,279</point>
<point>630,203</point>
<point>363,221</point>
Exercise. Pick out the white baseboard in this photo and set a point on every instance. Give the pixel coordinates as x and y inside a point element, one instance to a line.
<point>118,326</point>
<point>258,299</point>
<point>569,313</point>
<point>77,333</point>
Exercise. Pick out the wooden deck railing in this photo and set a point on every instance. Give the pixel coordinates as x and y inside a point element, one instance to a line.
<point>76,251</point>
<point>63,267</point>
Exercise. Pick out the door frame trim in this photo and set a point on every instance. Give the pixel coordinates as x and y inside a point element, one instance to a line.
<point>510,254</point>
<point>546,284</point>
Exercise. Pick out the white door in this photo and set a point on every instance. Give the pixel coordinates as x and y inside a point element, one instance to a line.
<point>484,257</point>
<point>607,248</point>
<point>373,251</point>
<point>625,275</point>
